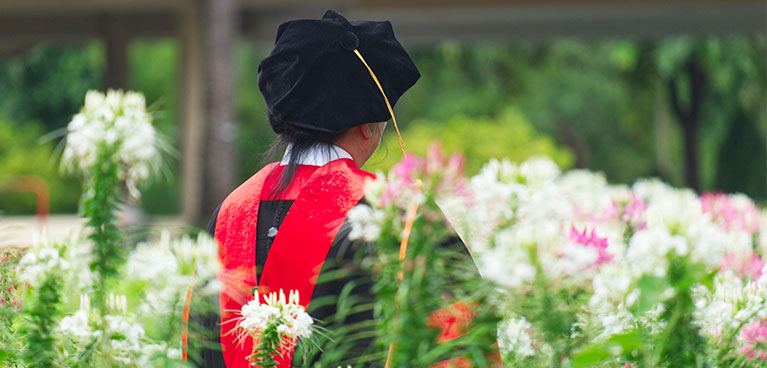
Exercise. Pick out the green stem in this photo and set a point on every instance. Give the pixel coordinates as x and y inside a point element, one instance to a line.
<point>267,349</point>
<point>42,321</point>
<point>732,335</point>
<point>102,193</point>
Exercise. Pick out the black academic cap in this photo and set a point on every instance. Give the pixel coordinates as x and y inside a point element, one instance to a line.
<point>313,79</point>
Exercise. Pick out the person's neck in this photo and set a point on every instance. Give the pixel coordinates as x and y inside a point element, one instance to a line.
<point>357,154</point>
<point>356,157</point>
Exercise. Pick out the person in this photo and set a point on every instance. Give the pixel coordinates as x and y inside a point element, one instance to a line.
<point>329,87</point>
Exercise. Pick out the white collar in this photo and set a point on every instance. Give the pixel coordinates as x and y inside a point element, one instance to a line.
<point>318,155</point>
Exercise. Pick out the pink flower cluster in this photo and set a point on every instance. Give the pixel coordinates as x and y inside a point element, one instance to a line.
<point>591,240</point>
<point>747,266</point>
<point>631,212</point>
<point>755,337</point>
<point>729,214</point>
<point>435,168</point>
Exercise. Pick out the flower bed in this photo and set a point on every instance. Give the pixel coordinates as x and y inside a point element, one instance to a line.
<point>592,273</point>
<point>575,272</point>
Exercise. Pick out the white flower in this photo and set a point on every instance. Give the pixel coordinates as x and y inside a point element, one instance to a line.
<point>119,123</point>
<point>611,285</point>
<point>39,261</point>
<point>93,100</point>
<point>509,263</point>
<point>374,189</point>
<point>76,327</point>
<point>674,210</point>
<point>126,338</point>
<point>614,323</point>
<point>648,249</point>
<point>365,222</point>
<point>732,303</point>
<point>289,316</point>
<point>571,260</point>
<point>710,243</point>
<point>514,337</point>
<point>151,261</point>
<point>167,266</point>
<point>174,353</point>
<point>538,171</point>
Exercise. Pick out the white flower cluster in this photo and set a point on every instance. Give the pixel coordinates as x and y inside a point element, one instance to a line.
<point>515,337</point>
<point>127,341</point>
<point>577,231</point>
<point>168,267</point>
<point>733,302</point>
<point>288,315</point>
<point>365,223</point>
<point>119,122</point>
<point>36,264</point>
<point>48,256</point>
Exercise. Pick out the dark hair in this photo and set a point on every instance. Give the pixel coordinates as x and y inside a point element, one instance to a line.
<point>301,141</point>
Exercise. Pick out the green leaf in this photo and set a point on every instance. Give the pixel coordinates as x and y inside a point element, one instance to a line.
<point>650,290</point>
<point>616,345</point>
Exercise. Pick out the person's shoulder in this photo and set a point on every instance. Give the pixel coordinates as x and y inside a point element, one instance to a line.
<point>347,168</point>
<point>255,182</point>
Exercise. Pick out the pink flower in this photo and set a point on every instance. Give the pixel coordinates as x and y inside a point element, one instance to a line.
<point>748,266</point>
<point>633,212</point>
<point>755,336</point>
<point>610,212</point>
<point>592,241</point>
<point>729,214</point>
<point>409,168</point>
<point>406,172</point>
<point>435,171</point>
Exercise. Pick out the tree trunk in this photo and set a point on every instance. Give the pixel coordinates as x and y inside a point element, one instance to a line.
<point>691,154</point>
<point>575,141</point>
<point>689,118</point>
<point>220,144</point>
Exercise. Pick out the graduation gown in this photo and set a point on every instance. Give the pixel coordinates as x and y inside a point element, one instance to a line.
<point>311,238</point>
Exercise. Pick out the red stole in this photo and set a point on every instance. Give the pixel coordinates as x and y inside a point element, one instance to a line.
<point>322,198</point>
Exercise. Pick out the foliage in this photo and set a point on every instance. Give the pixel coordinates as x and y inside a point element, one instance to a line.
<point>47,83</point>
<point>23,153</point>
<point>478,139</point>
<point>580,93</point>
<point>43,314</point>
<point>254,135</point>
<point>10,304</point>
<point>160,83</point>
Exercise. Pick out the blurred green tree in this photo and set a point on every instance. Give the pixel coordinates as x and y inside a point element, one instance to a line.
<point>48,82</point>
<point>23,153</point>
<point>610,102</point>
<point>159,82</point>
<point>478,139</point>
<point>717,88</point>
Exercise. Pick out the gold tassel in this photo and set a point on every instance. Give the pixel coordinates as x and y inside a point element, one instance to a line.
<point>413,210</point>
<point>388,105</point>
